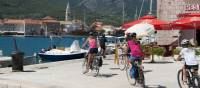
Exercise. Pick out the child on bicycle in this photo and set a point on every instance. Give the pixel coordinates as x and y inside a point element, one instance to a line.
<point>93,50</point>
<point>136,53</point>
<point>188,53</point>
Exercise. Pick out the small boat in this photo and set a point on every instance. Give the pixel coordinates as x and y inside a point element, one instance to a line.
<point>72,52</point>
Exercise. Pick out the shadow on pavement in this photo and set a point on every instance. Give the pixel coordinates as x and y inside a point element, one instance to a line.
<point>105,64</point>
<point>42,67</point>
<point>114,69</point>
<point>155,86</point>
<point>164,62</point>
<point>107,75</point>
<point>146,71</point>
<point>29,71</point>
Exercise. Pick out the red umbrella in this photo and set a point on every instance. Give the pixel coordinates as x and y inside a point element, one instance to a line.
<point>158,24</point>
<point>188,22</point>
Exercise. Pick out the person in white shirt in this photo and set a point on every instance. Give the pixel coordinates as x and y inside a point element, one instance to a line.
<point>188,54</point>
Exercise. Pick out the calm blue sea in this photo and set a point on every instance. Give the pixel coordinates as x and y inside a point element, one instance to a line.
<point>31,45</point>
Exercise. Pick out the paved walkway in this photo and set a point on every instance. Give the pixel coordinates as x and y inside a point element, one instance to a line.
<point>67,74</point>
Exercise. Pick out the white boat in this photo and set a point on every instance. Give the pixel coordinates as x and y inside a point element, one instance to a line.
<point>72,52</point>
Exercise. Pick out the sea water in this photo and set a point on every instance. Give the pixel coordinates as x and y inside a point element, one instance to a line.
<point>31,45</point>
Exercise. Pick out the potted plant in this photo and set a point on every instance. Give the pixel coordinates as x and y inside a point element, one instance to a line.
<point>198,52</point>
<point>176,52</point>
<point>157,52</point>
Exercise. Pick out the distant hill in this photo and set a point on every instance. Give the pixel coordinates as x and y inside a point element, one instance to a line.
<point>108,11</point>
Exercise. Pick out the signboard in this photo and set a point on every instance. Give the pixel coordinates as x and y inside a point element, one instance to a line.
<point>192,7</point>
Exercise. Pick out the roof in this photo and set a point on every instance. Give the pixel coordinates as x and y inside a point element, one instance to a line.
<point>167,37</point>
<point>13,21</point>
<point>48,18</point>
<point>65,22</point>
<point>167,41</point>
<point>31,21</point>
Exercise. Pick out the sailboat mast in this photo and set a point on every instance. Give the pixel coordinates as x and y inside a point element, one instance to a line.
<point>123,12</point>
<point>141,9</point>
<point>66,12</point>
<point>150,11</point>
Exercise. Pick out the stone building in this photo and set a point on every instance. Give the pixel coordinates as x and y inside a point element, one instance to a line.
<point>169,10</point>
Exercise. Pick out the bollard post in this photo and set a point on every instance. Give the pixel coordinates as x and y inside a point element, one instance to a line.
<point>17,61</point>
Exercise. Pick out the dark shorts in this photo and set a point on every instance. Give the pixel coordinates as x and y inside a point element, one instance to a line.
<point>196,67</point>
<point>93,51</point>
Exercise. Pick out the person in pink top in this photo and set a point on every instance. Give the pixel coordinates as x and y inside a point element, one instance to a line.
<point>134,52</point>
<point>93,49</point>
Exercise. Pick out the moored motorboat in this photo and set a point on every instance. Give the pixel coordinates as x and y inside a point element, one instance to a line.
<point>73,52</point>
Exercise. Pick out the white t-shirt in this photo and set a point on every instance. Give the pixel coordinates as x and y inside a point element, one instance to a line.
<point>189,55</point>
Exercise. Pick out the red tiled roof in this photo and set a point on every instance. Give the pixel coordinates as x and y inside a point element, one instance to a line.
<point>31,21</point>
<point>49,19</point>
<point>13,21</point>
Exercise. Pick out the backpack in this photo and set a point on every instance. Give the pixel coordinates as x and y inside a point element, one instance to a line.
<point>135,49</point>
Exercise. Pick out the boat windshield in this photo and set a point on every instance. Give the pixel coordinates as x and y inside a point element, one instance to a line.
<point>75,46</point>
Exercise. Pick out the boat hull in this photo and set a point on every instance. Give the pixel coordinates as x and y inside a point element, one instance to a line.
<point>48,58</point>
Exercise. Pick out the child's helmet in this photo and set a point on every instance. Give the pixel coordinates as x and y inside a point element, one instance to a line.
<point>184,42</point>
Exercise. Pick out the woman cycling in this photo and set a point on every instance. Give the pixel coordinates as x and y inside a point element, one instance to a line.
<point>136,53</point>
<point>92,49</point>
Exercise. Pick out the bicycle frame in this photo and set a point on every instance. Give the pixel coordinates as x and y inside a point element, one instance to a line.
<point>140,76</point>
<point>95,63</point>
<point>190,76</point>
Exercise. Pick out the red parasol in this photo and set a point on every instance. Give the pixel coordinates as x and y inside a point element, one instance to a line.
<point>158,24</point>
<point>188,22</point>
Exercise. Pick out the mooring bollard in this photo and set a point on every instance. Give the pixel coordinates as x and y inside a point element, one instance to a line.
<point>17,61</point>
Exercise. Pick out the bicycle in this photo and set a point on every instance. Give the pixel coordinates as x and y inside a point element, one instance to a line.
<point>121,59</point>
<point>139,73</point>
<point>96,64</point>
<point>192,78</point>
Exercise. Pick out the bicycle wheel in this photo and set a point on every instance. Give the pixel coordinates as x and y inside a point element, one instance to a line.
<point>195,82</point>
<point>95,67</point>
<point>122,62</point>
<point>131,80</point>
<point>180,79</point>
<point>141,78</point>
